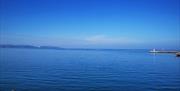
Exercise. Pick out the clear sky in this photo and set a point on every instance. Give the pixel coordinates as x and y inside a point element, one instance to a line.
<point>91,23</point>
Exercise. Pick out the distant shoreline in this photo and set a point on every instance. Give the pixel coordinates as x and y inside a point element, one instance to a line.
<point>58,48</point>
<point>29,47</point>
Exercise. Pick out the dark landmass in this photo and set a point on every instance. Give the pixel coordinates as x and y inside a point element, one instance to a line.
<point>50,47</point>
<point>29,46</point>
<point>17,46</point>
<point>55,47</point>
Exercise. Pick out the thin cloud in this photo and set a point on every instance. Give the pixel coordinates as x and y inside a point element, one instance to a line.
<point>102,39</point>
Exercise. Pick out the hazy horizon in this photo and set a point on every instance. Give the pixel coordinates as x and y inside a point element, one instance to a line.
<point>113,24</point>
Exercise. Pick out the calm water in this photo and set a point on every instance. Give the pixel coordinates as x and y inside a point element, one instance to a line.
<point>88,70</point>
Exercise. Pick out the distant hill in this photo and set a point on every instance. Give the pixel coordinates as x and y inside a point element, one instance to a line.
<point>50,47</point>
<point>29,46</point>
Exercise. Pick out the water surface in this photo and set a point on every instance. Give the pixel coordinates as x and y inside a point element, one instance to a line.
<point>87,70</point>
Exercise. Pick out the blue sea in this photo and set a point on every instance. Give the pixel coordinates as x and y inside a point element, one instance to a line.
<point>88,70</point>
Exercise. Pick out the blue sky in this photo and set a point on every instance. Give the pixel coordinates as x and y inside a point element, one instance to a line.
<point>91,23</point>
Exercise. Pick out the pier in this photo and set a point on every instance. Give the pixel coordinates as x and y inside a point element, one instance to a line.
<point>162,51</point>
<point>178,54</point>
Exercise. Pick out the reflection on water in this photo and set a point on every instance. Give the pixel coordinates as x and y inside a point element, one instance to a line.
<point>87,70</point>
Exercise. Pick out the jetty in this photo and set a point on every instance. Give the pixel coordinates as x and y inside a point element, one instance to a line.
<point>155,51</point>
<point>162,51</point>
<point>178,54</point>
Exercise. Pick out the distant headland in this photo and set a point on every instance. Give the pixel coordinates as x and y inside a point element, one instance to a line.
<point>29,46</point>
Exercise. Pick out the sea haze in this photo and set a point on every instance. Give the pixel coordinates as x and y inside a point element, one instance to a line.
<point>87,70</point>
